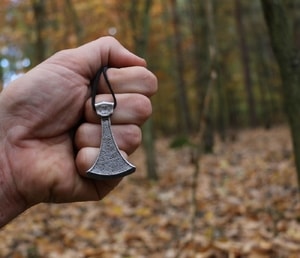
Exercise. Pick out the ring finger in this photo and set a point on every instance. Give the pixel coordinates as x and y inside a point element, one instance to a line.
<point>127,137</point>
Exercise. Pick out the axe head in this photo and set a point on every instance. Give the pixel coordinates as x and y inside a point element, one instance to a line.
<point>110,162</point>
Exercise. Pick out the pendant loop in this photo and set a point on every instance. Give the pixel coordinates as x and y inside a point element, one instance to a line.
<point>95,83</point>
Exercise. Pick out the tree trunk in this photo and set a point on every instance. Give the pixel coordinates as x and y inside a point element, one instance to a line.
<point>263,79</point>
<point>201,58</point>
<point>263,58</point>
<point>74,20</point>
<point>213,74</point>
<point>140,36</point>
<point>289,64</point>
<point>183,107</point>
<point>245,62</point>
<point>222,115</point>
<point>233,113</point>
<point>294,13</point>
<point>39,10</point>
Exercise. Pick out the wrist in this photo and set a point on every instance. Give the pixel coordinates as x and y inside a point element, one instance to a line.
<point>11,203</point>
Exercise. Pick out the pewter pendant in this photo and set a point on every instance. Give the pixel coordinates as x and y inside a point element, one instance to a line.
<point>110,162</point>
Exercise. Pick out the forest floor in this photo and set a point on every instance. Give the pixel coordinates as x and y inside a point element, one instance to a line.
<point>247,206</point>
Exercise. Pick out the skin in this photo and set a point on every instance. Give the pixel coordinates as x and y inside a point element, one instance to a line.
<point>49,133</point>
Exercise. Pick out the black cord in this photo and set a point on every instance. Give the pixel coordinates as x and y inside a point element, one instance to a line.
<point>94,86</point>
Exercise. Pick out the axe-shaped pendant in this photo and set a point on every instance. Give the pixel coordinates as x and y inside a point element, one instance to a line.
<point>110,162</point>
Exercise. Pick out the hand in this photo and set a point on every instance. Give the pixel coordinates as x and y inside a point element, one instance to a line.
<point>49,133</point>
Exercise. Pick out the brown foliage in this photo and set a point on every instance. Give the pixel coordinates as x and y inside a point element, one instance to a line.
<point>247,207</point>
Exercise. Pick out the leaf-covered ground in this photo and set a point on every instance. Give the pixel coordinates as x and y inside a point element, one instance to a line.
<point>247,206</point>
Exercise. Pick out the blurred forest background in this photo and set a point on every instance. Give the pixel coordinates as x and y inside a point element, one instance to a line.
<point>185,43</point>
<point>218,147</point>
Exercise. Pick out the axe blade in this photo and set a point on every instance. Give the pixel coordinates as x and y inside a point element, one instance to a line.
<point>110,162</point>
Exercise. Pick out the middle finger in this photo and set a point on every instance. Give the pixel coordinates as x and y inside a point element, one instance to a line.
<point>131,109</point>
<point>135,79</point>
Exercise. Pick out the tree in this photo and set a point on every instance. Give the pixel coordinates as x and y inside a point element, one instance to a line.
<point>184,111</point>
<point>140,38</point>
<point>213,75</point>
<point>288,58</point>
<point>245,62</point>
<point>262,58</point>
<point>74,20</point>
<point>39,10</point>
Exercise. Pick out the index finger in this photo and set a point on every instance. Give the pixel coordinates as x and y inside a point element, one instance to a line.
<point>134,79</point>
<point>105,51</point>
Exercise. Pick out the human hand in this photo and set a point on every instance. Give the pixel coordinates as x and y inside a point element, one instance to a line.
<point>49,133</point>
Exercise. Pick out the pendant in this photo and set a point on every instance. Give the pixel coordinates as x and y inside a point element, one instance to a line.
<point>110,162</point>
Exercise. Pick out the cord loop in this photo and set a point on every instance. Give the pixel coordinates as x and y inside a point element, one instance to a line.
<point>94,86</point>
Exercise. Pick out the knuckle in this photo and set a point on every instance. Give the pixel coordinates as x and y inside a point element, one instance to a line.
<point>79,139</point>
<point>143,107</point>
<point>150,81</point>
<point>132,136</point>
<point>108,39</point>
